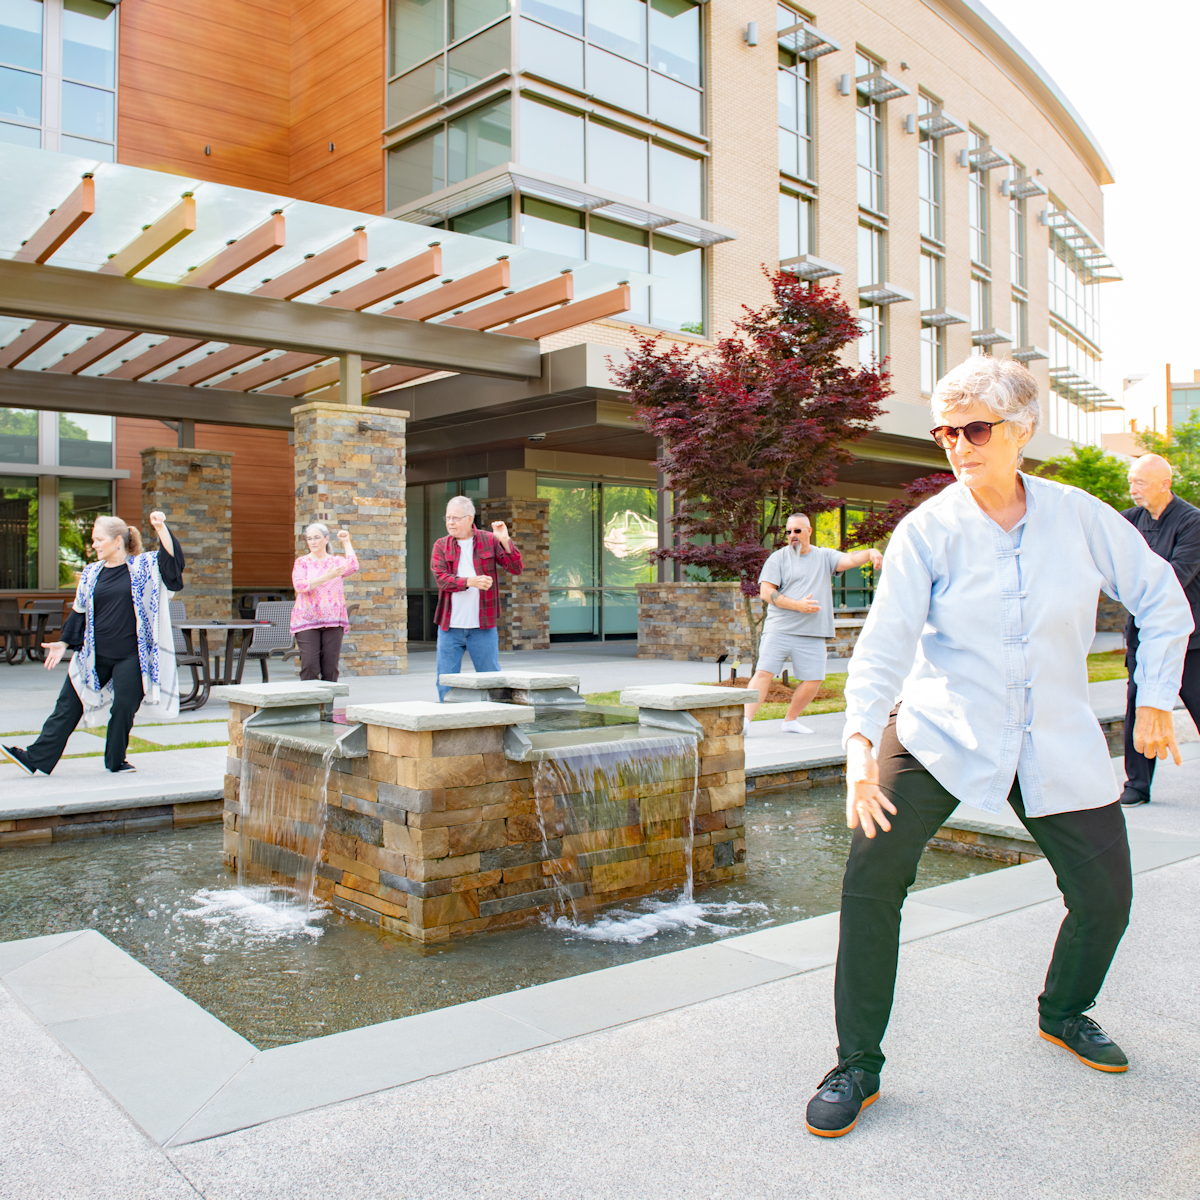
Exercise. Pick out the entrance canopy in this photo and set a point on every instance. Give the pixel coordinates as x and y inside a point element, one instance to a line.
<point>137,293</point>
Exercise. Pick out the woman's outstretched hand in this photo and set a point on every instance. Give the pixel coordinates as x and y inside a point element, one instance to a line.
<point>54,652</point>
<point>864,801</point>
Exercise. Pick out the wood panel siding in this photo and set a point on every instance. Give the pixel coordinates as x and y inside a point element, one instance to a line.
<point>337,68</point>
<point>263,494</point>
<point>267,85</point>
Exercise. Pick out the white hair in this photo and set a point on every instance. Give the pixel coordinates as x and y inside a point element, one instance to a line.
<point>1007,388</point>
<point>320,527</point>
<point>462,504</point>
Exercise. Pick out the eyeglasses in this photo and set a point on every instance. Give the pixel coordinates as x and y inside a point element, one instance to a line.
<point>979,433</point>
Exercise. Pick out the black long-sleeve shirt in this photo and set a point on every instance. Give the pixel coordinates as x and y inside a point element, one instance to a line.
<point>1175,536</point>
<point>114,626</point>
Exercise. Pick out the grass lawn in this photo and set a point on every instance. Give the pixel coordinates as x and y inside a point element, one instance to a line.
<point>137,745</point>
<point>831,697</point>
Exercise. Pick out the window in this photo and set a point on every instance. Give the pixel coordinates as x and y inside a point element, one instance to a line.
<point>79,61</point>
<point>674,301</point>
<point>1073,298</point>
<point>601,535</point>
<point>1016,234</point>
<point>795,225</point>
<point>981,309</point>
<point>18,526</point>
<point>1019,320</point>
<point>635,55</point>
<point>80,502</point>
<point>431,33</point>
<point>566,144</point>
<point>490,221</point>
<point>869,143</point>
<point>977,206</point>
<point>929,178</point>
<point>85,440</point>
<point>472,142</point>
<point>795,105</point>
<point>871,269</point>
<point>18,435</point>
<point>933,344</point>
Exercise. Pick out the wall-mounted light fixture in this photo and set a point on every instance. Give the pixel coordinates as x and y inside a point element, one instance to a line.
<point>846,85</point>
<point>750,34</point>
<point>207,149</point>
<point>910,123</point>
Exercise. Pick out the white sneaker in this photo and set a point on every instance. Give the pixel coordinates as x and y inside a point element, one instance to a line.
<point>795,727</point>
<point>745,727</point>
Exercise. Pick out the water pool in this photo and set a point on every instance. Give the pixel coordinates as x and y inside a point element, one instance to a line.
<point>279,976</point>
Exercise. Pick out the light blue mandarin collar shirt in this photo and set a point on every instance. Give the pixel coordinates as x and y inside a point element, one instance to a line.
<point>983,635</point>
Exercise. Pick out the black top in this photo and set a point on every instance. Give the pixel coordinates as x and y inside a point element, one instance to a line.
<point>1175,536</point>
<point>114,625</point>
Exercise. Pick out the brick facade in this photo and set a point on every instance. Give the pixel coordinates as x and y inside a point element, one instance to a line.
<point>194,488</point>
<point>524,621</point>
<point>350,473</point>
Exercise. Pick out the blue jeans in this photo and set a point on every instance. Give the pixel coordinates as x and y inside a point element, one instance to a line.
<point>483,645</point>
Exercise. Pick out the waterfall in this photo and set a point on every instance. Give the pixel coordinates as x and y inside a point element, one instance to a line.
<point>283,802</point>
<point>604,810</point>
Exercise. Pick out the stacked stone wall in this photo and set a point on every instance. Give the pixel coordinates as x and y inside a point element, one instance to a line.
<point>437,834</point>
<point>692,622</point>
<point>350,472</point>
<point>524,621</point>
<point>194,489</point>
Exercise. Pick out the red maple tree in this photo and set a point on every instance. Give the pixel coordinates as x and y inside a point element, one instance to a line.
<point>878,525</point>
<point>755,430</point>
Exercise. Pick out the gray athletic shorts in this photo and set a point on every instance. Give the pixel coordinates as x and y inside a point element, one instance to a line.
<point>808,654</point>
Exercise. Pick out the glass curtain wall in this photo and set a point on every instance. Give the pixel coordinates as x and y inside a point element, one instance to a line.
<point>80,502</point>
<point>426,522</point>
<point>80,63</point>
<point>18,530</point>
<point>977,205</point>
<point>854,588</point>
<point>929,178</point>
<point>601,536</point>
<point>933,342</point>
<point>639,56</point>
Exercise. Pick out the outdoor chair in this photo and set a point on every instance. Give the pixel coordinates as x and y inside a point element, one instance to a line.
<point>276,636</point>
<point>19,637</point>
<point>46,616</point>
<point>201,680</point>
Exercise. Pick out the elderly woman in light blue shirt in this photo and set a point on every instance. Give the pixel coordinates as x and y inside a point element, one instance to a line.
<point>969,684</point>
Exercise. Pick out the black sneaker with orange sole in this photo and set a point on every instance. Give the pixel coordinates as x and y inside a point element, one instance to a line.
<point>842,1095</point>
<point>1087,1041</point>
<point>17,755</point>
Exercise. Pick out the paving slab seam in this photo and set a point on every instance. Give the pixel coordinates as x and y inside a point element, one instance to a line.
<point>670,971</point>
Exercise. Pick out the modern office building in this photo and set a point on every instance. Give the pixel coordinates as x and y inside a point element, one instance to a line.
<point>911,154</point>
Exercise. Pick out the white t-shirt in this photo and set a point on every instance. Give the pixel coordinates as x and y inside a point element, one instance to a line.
<point>464,605</point>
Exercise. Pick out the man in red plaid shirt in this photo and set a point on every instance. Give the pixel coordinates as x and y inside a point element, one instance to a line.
<point>464,564</point>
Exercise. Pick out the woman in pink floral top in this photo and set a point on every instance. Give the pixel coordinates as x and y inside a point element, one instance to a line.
<point>319,618</point>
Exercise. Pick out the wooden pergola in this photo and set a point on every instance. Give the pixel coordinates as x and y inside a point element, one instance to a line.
<point>227,353</point>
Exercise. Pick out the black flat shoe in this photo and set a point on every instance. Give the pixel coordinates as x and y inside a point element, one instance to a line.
<point>125,766</point>
<point>843,1094</point>
<point>17,755</point>
<point>1131,799</point>
<point>1087,1041</point>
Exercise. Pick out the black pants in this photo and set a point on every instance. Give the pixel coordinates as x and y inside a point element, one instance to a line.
<point>126,676</point>
<point>1088,851</point>
<point>1139,770</point>
<point>320,650</point>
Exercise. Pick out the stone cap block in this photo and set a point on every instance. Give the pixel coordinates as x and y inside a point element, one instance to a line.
<point>418,716</point>
<point>278,695</point>
<point>526,681</point>
<point>685,695</point>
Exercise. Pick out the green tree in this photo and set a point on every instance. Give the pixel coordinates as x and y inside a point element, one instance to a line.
<point>1094,470</point>
<point>1182,451</point>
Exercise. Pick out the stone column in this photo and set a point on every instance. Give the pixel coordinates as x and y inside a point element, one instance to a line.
<point>194,488</point>
<point>524,622</point>
<point>350,473</point>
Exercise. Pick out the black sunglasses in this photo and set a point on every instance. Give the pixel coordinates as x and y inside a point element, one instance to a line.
<point>979,433</point>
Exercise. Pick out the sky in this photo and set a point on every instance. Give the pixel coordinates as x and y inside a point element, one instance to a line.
<point>1129,71</point>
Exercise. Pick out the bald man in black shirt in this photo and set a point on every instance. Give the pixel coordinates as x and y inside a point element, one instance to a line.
<point>1171,528</point>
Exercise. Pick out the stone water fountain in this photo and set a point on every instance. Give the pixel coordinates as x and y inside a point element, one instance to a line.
<point>440,820</point>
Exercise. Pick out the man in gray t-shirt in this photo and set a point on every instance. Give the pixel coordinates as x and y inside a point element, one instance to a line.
<point>796,585</point>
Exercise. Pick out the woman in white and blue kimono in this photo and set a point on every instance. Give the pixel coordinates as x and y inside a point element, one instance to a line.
<point>120,630</point>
